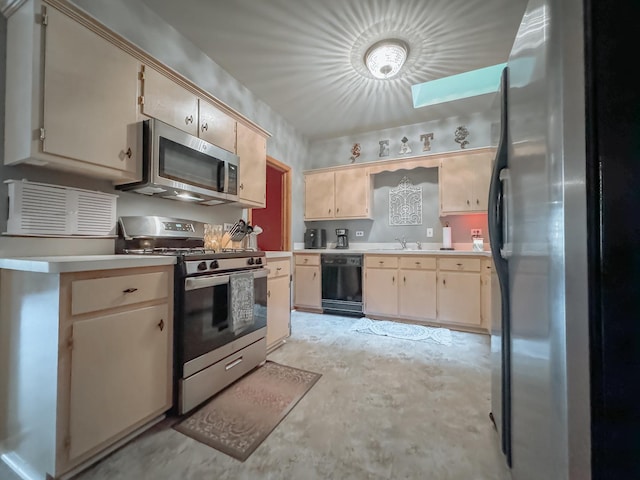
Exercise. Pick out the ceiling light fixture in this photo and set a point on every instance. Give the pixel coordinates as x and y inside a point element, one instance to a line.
<point>384,59</point>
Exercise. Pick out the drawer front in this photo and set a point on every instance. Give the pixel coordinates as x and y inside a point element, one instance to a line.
<point>381,261</point>
<point>279,268</point>
<point>417,263</point>
<point>308,259</point>
<point>103,293</point>
<point>460,264</point>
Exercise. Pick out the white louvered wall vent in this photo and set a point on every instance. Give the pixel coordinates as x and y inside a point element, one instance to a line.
<point>42,209</point>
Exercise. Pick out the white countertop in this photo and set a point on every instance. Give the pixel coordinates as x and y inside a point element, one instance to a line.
<point>398,251</point>
<point>83,263</point>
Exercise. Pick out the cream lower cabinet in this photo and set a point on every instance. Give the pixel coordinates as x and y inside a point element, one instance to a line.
<point>417,277</point>
<point>71,97</point>
<point>90,362</point>
<point>381,285</point>
<point>458,291</point>
<point>278,301</point>
<point>436,290</point>
<point>307,282</point>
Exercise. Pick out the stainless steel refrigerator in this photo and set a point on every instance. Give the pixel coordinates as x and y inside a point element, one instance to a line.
<point>565,235</point>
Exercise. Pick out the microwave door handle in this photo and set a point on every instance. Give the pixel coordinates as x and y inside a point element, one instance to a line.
<point>222,170</point>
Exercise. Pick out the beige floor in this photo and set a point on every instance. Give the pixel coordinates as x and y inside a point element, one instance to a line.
<point>384,409</point>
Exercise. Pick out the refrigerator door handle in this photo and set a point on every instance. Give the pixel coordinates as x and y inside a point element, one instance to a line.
<point>504,222</point>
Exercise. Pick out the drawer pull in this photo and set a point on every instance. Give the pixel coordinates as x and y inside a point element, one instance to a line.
<point>381,262</point>
<point>306,260</point>
<point>161,324</point>
<point>229,366</point>
<point>130,290</point>
<point>278,268</point>
<point>417,263</point>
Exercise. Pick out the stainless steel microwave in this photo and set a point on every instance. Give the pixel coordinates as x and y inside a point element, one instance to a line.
<point>180,166</point>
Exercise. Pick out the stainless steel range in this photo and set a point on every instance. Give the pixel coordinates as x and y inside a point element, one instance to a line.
<point>220,304</point>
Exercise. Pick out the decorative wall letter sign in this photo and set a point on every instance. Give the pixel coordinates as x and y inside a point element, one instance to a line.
<point>426,141</point>
<point>355,152</point>
<point>404,146</point>
<point>460,135</point>
<point>384,148</point>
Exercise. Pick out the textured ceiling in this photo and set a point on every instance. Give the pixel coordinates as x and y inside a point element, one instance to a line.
<point>304,58</point>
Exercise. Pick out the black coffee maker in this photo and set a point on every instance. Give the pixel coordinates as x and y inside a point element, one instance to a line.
<point>343,238</point>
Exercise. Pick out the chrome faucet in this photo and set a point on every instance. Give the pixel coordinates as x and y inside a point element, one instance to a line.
<point>418,245</point>
<point>403,242</point>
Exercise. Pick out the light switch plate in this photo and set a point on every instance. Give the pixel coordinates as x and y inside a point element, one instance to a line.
<point>476,232</point>
<point>429,232</point>
<point>359,233</point>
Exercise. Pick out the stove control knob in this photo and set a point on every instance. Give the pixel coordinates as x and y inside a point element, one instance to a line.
<point>202,266</point>
<point>258,261</point>
<point>250,261</point>
<point>214,264</point>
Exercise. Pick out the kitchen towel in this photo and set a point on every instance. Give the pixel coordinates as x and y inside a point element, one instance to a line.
<point>242,301</point>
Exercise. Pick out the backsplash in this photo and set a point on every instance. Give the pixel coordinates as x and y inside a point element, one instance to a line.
<point>377,230</point>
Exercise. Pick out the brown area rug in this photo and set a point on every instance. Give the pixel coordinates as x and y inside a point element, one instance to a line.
<point>238,419</point>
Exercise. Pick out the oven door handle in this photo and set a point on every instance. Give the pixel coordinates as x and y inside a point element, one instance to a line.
<point>204,282</point>
<point>263,272</point>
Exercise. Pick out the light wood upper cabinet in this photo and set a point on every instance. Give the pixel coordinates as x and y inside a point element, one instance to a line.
<point>343,193</point>
<point>464,182</point>
<point>164,99</point>
<point>252,151</point>
<point>318,195</point>
<point>215,126</point>
<point>74,88</point>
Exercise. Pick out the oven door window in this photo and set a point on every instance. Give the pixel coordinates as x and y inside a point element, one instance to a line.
<point>206,314</point>
<point>183,164</point>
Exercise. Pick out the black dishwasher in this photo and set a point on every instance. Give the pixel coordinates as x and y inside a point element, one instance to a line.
<point>342,283</point>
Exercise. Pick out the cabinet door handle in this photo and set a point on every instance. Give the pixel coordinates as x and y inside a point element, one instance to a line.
<point>444,282</point>
<point>130,290</point>
<point>188,119</point>
<point>161,324</point>
<point>337,210</point>
<point>278,269</point>
<point>314,274</point>
<point>468,202</point>
<point>205,126</point>
<point>128,153</point>
<point>242,186</point>
<point>306,260</point>
<point>268,293</point>
<point>393,280</point>
<point>329,210</point>
<point>477,201</point>
<point>404,279</point>
<point>459,264</point>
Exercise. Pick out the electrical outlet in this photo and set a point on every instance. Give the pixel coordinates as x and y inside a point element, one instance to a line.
<point>476,232</point>
<point>429,232</point>
<point>359,233</point>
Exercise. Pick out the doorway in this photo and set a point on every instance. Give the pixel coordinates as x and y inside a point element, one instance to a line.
<point>275,218</point>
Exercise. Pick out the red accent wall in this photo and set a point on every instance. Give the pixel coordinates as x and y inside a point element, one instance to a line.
<point>461,226</point>
<point>270,217</point>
